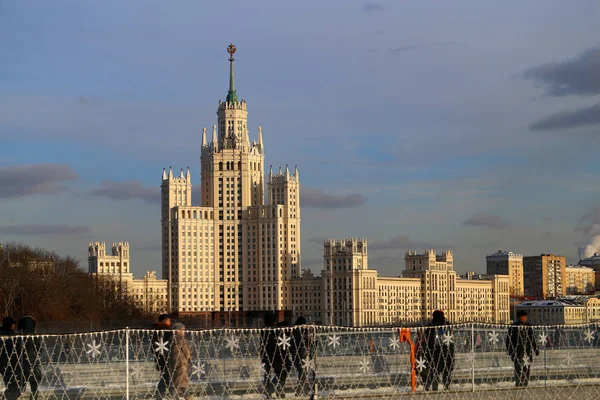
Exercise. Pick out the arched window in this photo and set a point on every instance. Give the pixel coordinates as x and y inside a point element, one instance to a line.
<point>211,215</point>
<point>205,214</point>
<point>221,166</point>
<point>280,212</point>
<point>183,214</point>
<point>239,165</point>
<point>195,215</point>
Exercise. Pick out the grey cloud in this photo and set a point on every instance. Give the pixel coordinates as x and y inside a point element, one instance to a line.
<point>43,229</point>
<point>316,240</point>
<point>580,76</point>
<point>482,245</point>
<point>402,242</point>
<point>403,49</point>
<point>148,246</point>
<point>411,47</point>
<point>569,119</point>
<point>312,262</point>
<point>23,180</point>
<point>83,100</point>
<point>126,190</point>
<point>372,6</point>
<point>488,221</point>
<point>316,198</point>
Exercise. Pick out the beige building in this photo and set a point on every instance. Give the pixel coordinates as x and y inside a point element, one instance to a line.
<point>579,279</point>
<point>594,263</point>
<point>544,276</point>
<point>351,294</point>
<point>236,253</point>
<point>149,293</point>
<point>565,311</point>
<point>507,263</point>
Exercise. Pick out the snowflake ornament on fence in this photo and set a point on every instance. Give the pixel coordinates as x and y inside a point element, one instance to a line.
<point>447,338</point>
<point>233,343</point>
<point>588,336</point>
<point>493,337</point>
<point>308,364</point>
<point>568,359</point>
<point>199,369</point>
<point>284,341</point>
<point>421,364</point>
<point>161,346</point>
<point>470,357</point>
<point>334,341</point>
<point>137,370</point>
<point>542,338</point>
<point>363,366</point>
<point>93,349</point>
<point>394,344</point>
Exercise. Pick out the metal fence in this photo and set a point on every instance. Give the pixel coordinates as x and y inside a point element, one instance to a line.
<point>311,361</point>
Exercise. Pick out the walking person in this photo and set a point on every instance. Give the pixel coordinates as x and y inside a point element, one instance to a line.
<point>30,349</point>
<point>161,341</point>
<point>178,363</point>
<point>9,360</point>
<point>521,345</point>
<point>439,352</point>
<point>302,352</point>
<point>275,356</point>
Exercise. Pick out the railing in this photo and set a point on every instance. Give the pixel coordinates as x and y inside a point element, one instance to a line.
<point>327,361</point>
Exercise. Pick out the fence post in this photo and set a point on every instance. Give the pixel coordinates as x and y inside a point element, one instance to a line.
<point>127,362</point>
<point>473,356</point>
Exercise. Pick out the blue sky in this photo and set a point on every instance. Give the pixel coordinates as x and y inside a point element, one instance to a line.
<point>466,125</point>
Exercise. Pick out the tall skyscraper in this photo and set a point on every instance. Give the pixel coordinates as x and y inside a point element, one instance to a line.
<point>235,253</point>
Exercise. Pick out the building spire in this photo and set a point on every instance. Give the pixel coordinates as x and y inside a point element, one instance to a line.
<point>204,137</point>
<point>231,95</point>
<point>215,143</point>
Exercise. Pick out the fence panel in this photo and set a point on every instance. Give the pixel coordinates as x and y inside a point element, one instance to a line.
<point>331,362</point>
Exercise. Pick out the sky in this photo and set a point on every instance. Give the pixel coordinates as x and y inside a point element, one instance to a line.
<point>464,125</point>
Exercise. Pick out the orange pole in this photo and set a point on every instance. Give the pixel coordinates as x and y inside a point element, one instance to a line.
<point>404,334</point>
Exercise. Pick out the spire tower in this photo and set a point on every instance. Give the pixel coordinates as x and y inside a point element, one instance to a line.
<point>231,95</point>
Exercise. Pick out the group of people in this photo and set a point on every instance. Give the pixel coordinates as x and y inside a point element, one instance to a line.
<point>172,358</point>
<point>20,357</point>
<point>281,349</point>
<point>435,351</point>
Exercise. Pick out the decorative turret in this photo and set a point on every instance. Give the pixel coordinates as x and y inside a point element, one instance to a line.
<point>215,142</point>
<point>170,173</point>
<point>164,175</point>
<point>204,137</point>
<point>260,139</point>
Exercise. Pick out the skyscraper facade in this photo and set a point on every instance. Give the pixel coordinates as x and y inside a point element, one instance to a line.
<point>236,252</point>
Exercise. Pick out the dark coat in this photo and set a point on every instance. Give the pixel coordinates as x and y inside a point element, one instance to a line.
<point>520,341</point>
<point>302,343</point>
<point>161,357</point>
<point>29,348</point>
<point>439,355</point>
<point>9,357</point>
<point>272,355</point>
